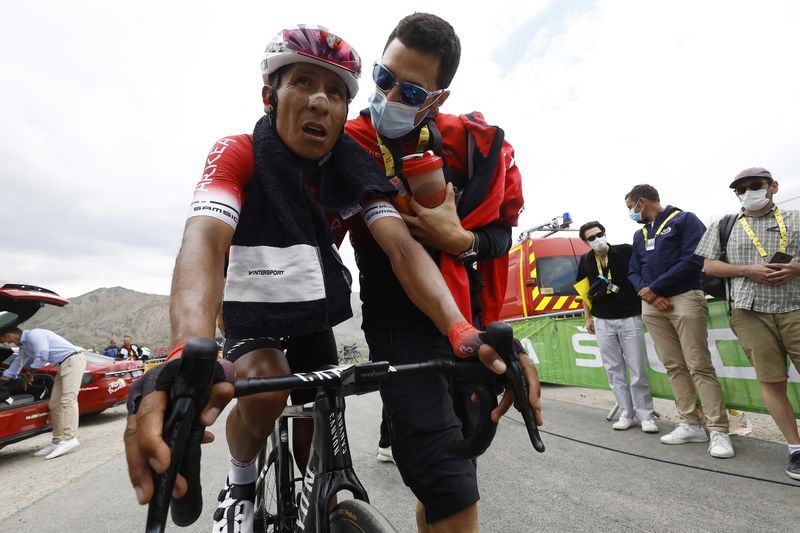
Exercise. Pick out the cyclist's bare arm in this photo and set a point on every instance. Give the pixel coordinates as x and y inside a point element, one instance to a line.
<point>198,281</point>
<point>197,286</point>
<point>417,273</point>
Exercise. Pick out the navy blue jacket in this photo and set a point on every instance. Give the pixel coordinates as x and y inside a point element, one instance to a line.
<point>672,268</point>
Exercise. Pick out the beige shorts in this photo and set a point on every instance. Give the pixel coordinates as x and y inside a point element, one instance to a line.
<point>767,338</point>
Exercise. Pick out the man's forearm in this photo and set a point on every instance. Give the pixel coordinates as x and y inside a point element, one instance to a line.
<point>721,269</point>
<point>197,283</point>
<point>494,241</point>
<point>425,286</point>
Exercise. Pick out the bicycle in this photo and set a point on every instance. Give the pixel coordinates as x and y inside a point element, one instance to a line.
<point>349,354</point>
<point>279,508</point>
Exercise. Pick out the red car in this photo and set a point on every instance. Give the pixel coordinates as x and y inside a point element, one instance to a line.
<point>105,382</point>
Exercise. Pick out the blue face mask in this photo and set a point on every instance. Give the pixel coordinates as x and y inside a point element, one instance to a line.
<point>635,215</point>
<point>391,119</point>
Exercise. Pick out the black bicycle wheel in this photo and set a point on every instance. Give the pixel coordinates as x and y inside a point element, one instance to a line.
<point>355,516</point>
<point>266,518</point>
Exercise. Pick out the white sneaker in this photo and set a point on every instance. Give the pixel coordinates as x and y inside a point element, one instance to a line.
<point>44,451</point>
<point>623,423</point>
<point>385,455</point>
<point>649,426</point>
<point>685,433</point>
<point>63,447</point>
<point>720,445</point>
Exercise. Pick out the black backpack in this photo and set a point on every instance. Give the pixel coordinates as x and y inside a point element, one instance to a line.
<point>712,285</point>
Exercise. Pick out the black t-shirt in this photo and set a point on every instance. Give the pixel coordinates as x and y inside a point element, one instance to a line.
<point>626,302</point>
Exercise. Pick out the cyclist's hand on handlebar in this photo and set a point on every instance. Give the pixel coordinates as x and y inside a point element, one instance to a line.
<point>145,450</point>
<point>534,392</point>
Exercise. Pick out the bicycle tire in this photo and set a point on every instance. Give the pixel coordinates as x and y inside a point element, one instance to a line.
<point>355,516</point>
<point>266,519</point>
<point>265,505</point>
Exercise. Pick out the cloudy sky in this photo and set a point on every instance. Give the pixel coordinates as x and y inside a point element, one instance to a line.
<point>110,108</point>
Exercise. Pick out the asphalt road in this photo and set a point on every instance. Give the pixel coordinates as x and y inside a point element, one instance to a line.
<point>589,479</point>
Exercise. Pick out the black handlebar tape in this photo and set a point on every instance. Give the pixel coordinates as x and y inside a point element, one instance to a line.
<point>500,336</point>
<point>189,394</point>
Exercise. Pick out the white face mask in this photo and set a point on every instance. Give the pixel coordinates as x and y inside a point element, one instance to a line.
<point>391,119</point>
<point>599,244</point>
<point>754,200</point>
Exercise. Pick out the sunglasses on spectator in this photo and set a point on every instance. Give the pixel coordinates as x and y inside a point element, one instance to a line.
<point>741,189</point>
<point>410,93</point>
<point>595,236</point>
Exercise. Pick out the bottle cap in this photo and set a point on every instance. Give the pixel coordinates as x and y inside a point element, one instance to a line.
<point>416,164</point>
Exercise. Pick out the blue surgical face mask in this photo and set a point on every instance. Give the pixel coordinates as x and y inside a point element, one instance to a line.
<point>391,119</point>
<point>635,215</point>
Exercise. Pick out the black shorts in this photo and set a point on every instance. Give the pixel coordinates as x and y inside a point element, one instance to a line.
<point>305,353</point>
<point>423,423</point>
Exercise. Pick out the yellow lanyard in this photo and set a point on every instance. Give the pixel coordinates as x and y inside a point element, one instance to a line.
<point>661,227</point>
<point>388,160</point>
<point>600,268</point>
<point>757,243</point>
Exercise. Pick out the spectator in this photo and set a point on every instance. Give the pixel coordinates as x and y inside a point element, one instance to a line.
<point>39,347</point>
<point>765,292</point>
<point>112,350</point>
<point>129,350</point>
<point>667,276</point>
<point>616,319</point>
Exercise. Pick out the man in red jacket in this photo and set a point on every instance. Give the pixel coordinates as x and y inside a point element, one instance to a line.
<point>469,235</point>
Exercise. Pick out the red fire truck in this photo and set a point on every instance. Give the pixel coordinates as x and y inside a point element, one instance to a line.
<point>541,270</point>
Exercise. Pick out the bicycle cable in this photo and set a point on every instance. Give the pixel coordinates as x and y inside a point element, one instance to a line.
<point>665,461</point>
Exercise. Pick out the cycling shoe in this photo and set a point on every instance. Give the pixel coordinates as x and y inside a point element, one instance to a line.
<point>234,513</point>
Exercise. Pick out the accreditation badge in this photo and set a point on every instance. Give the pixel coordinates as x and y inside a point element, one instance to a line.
<point>650,245</point>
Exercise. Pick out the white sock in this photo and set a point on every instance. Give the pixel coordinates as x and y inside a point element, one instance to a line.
<point>794,448</point>
<point>243,473</point>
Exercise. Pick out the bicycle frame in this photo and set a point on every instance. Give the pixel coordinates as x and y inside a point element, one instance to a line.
<point>329,470</point>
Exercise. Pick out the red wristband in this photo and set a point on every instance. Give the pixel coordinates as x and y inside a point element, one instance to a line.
<point>464,339</point>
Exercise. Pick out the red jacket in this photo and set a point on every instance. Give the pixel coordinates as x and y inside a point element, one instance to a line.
<point>499,199</point>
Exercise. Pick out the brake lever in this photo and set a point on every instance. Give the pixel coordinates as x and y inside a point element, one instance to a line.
<point>500,336</point>
<point>189,394</point>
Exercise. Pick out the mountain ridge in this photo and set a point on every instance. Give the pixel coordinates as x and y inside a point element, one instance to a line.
<point>92,319</point>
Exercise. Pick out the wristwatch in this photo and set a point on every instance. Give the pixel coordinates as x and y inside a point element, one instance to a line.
<point>470,255</point>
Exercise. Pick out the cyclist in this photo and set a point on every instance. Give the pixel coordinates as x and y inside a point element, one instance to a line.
<point>261,198</point>
<point>470,239</point>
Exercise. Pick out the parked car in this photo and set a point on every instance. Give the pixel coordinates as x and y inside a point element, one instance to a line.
<point>105,382</point>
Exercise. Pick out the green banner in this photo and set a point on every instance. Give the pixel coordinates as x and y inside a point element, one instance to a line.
<point>565,353</point>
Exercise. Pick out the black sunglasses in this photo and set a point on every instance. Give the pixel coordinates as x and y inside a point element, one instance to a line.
<point>741,189</point>
<point>595,236</point>
<point>410,93</point>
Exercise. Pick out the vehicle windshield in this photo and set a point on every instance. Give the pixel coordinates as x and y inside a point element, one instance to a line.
<point>557,273</point>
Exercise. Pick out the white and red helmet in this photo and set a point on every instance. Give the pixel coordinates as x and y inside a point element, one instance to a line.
<point>315,45</point>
